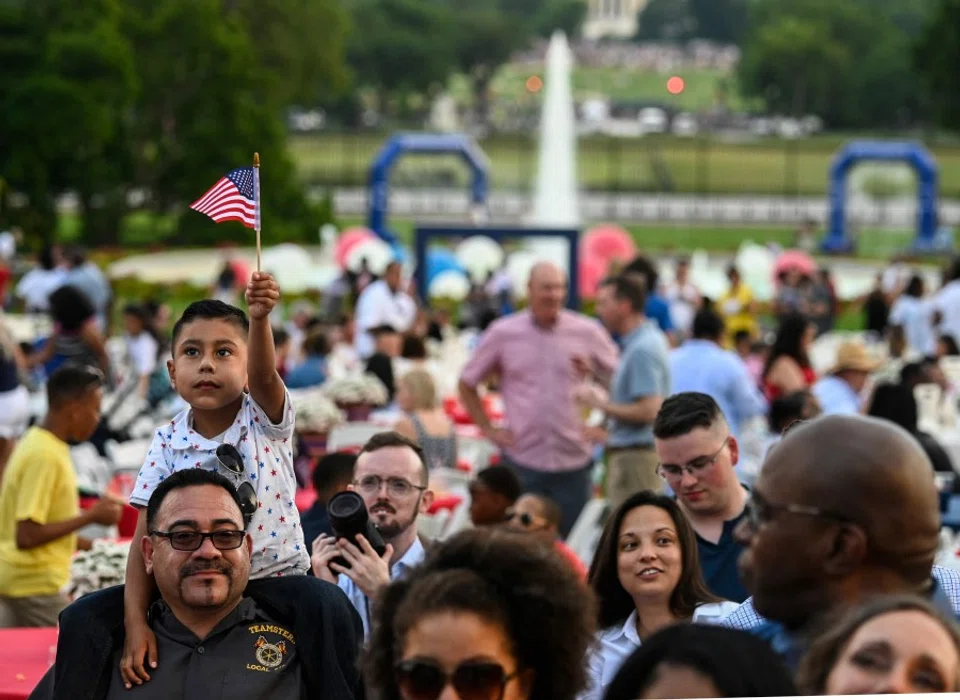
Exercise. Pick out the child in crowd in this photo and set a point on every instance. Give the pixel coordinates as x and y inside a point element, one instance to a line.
<point>142,346</point>
<point>39,509</point>
<point>225,368</point>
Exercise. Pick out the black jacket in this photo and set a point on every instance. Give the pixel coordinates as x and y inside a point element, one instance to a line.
<point>327,627</point>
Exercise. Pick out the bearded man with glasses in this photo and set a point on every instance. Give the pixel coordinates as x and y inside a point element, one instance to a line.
<point>218,633</point>
<point>392,478</point>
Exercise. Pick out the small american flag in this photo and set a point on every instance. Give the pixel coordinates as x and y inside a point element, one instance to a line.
<point>233,198</point>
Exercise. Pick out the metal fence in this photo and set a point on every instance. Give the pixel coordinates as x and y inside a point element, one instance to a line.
<point>699,166</point>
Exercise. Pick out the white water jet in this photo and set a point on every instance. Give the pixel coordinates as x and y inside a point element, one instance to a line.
<point>555,198</point>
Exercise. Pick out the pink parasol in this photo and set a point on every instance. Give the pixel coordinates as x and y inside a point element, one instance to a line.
<point>794,260</point>
<point>607,242</point>
<point>349,239</point>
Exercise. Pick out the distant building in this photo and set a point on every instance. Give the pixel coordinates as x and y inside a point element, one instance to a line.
<point>612,18</point>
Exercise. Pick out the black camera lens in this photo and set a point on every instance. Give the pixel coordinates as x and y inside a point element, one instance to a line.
<point>349,518</point>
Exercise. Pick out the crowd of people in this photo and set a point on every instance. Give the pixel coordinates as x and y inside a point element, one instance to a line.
<point>814,574</point>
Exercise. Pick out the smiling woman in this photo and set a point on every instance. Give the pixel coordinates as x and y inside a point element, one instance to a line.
<point>646,575</point>
<point>898,644</point>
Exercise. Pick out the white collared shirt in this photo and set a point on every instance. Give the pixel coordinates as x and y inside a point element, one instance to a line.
<point>614,644</point>
<point>378,306</point>
<point>409,560</point>
<point>267,451</point>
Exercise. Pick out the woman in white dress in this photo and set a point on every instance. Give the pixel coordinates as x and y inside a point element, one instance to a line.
<point>646,574</point>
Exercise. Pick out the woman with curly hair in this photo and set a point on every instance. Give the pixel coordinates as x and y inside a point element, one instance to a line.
<point>488,614</point>
<point>646,574</point>
<point>895,644</point>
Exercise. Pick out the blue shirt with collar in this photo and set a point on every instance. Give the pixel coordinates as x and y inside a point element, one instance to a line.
<point>658,309</point>
<point>837,397</point>
<point>358,598</point>
<point>643,370</point>
<point>944,594</point>
<point>705,367</point>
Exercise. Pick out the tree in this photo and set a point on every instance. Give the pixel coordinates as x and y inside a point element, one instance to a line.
<point>723,21</point>
<point>936,58</point>
<point>667,20</point>
<point>300,43</point>
<point>847,62</point>
<point>204,109</point>
<point>65,107</point>
<point>400,47</point>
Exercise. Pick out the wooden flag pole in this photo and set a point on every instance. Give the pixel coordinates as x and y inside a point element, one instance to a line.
<point>256,197</point>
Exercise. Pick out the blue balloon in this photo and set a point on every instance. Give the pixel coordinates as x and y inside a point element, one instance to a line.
<point>441,260</point>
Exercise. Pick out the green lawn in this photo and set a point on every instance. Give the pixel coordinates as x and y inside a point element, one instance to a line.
<point>651,164</point>
<point>701,89</point>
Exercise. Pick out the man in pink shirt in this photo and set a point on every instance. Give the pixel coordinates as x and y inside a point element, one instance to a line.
<point>539,354</point>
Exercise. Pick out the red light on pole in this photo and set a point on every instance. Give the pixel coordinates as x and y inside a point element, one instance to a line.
<point>675,85</point>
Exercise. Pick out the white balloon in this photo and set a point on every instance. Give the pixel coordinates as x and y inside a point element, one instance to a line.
<point>377,253</point>
<point>291,265</point>
<point>480,255</point>
<point>449,284</point>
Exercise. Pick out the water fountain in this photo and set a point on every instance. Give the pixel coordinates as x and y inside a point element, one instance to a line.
<point>555,198</point>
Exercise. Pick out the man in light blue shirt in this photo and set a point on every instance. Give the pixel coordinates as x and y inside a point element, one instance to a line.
<point>703,366</point>
<point>391,476</point>
<point>638,387</point>
<point>841,391</point>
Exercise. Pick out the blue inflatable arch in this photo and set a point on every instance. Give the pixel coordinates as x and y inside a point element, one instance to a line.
<point>837,240</point>
<point>401,144</point>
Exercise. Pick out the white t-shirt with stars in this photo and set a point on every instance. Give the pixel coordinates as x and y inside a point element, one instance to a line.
<point>267,451</point>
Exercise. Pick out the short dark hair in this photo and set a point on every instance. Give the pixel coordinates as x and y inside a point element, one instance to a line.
<point>915,372</point>
<point>210,309</point>
<point>552,512</point>
<point>682,413</point>
<point>615,604</point>
<point>280,336</point>
<point>332,469</point>
<point>627,288</point>
<point>895,403</point>
<point>742,335</point>
<point>183,479</point>
<point>502,480</point>
<point>71,382</point>
<point>787,410</point>
<point>738,663</point>
<point>708,325</point>
<point>507,579</point>
<point>70,307</point>
<point>644,266</point>
<point>392,438</point>
<point>414,348</point>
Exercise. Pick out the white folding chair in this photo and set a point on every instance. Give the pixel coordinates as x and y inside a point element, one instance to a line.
<point>586,532</point>
<point>127,456</point>
<point>477,451</point>
<point>351,435</point>
<point>93,471</point>
<point>432,526</point>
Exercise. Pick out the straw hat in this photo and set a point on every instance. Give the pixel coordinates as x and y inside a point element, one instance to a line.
<point>853,355</point>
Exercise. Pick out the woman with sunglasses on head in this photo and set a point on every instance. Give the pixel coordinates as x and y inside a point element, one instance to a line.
<point>894,644</point>
<point>646,574</point>
<point>487,616</point>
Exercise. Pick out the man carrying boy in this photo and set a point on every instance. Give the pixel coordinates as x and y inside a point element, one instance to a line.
<point>39,505</point>
<point>225,368</point>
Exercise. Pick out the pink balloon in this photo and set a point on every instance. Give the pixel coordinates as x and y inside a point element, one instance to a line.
<point>348,240</point>
<point>590,272</point>
<point>794,260</point>
<point>608,242</point>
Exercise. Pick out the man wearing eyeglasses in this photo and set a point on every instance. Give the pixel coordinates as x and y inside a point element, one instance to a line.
<point>698,455</point>
<point>391,476</point>
<point>216,633</point>
<point>845,509</point>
